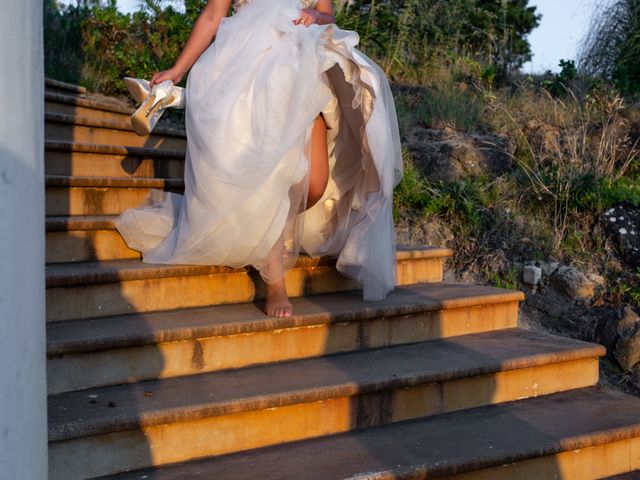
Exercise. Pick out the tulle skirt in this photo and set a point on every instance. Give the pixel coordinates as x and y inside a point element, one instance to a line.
<point>251,101</point>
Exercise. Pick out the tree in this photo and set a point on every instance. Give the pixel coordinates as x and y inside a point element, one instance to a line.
<point>493,31</point>
<point>612,47</point>
<point>504,26</point>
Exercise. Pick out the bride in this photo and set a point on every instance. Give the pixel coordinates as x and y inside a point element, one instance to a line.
<point>292,145</point>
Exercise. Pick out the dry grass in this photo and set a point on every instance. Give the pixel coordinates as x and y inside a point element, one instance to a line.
<point>566,146</point>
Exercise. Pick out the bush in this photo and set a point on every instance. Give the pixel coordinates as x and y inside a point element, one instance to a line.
<point>95,45</point>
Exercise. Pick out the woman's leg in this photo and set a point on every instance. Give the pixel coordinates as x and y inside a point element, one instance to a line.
<point>277,303</point>
<point>319,172</point>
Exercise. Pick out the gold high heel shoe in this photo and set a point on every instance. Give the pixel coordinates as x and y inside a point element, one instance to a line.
<point>154,101</point>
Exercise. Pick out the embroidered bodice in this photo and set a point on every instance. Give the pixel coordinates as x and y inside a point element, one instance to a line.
<point>237,4</point>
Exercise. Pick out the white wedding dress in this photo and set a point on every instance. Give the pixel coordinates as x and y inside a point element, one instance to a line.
<point>251,100</point>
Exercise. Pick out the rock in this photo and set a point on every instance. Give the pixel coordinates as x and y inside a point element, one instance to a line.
<point>423,231</point>
<point>627,351</point>
<point>629,322</point>
<point>531,274</point>
<point>545,140</point>
<point>574,283</point>
<point>622,224</point>
<point>547,267</point>
<point>449,156</point>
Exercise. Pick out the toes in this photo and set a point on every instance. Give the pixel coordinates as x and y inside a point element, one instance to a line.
<point>278,311</point>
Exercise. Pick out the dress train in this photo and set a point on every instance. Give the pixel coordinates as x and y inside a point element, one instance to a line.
<point>251,100</point>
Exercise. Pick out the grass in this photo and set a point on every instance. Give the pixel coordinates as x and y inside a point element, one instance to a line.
<point>576,156</point>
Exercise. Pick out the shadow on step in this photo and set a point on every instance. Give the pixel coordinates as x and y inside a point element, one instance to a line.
<point>70,151</point>
<point>346,382</point>
<point>416,399</point>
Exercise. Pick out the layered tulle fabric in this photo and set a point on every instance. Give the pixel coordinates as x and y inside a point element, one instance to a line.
<point>251,100</point>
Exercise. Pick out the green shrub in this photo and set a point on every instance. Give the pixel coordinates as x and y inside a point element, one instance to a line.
<point>95,45</point>
<point>463,201</point>
<point>559,84</point>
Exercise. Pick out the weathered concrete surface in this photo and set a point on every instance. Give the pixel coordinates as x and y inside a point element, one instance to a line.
<point>306,380</point>
<point>190,417</point>
<point>129,348</point>
<point>469,441</point>
<point>97,289</point>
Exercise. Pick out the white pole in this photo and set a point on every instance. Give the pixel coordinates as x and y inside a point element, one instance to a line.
<point>23,421</point>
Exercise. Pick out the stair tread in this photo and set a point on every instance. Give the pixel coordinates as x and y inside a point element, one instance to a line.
<point>112,182</point>
<point>93,101</point>
<point>105,271</point>
<point>87,121</point>
<point>305,380</point>
<point>55,145</point>
<point>64,223</point>
<point>59,84</point>
<point>446,444</point>
<point>136,329</point>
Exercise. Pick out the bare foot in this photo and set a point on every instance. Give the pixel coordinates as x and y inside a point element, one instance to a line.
<point>277,303</point>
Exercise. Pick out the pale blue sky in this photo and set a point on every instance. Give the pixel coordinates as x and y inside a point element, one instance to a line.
<point>563,25</point>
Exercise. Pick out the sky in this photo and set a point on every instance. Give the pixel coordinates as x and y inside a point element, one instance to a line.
<point>563,25</point>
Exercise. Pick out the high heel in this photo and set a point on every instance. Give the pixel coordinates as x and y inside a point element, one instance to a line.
<point>154,101</point>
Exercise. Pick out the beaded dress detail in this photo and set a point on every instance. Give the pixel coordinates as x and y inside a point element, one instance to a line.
<point>237,4</point>
<point>251,101</point>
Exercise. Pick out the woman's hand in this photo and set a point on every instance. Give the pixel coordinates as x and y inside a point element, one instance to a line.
<point>174,74</point>
<point>307,17</point>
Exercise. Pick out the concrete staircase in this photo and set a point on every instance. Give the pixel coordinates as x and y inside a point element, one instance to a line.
<point>173,372</point>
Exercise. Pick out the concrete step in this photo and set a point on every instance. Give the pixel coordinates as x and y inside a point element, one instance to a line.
<point>96,160</point>
<point>76,128</point>
<point>103,431</point>
<point>66,195</point>
<point>84,238</point>
<point>57,86</point>
<point>87,238</point>
<point>583,434</point>
<point>130,348</point>
<point>86,105</point>
<point>97,289</point>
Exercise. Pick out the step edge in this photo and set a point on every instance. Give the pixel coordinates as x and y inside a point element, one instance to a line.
<point>442,469</point>
<point>308,395</point>
<point>123,125</point>
<point>570,443</point>
<point>104,148</point>
<point>72,87</point>
<point>71,181</point>
<point>126,272</point>
<point>187,332</point>
<point>64,223</point>
<point>87,101</point>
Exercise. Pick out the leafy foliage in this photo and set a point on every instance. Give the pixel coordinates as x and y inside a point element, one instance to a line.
<point>93,44</point>
<point>408,34</point>
<point>559,84</point>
